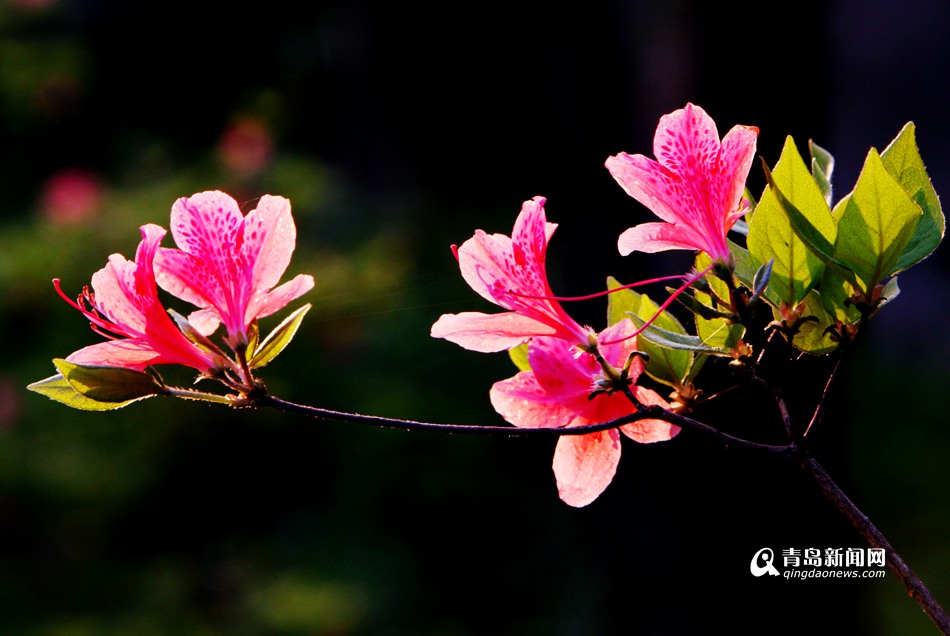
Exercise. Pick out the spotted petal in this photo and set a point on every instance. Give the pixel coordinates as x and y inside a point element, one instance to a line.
<point>584,465</point>
<point>695,184</point>
<point>511,273</point>
<point>125,303</point>
<point>227,263</point>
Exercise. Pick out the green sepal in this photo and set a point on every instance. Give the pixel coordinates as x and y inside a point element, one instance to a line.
<point>822,167</point>
<point>665,364</point>
<point>889,293</point>
<point>279,338</point>
<point>760,281</point>
<point>193,334</point>
<point>519,355</point>
<point>253,338</point>
<point>58,388</point>
<point>875,226</point>
<point>902,160</point>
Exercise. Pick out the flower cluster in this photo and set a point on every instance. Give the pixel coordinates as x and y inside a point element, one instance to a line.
<point>226,264</point>
<point>571,377</point>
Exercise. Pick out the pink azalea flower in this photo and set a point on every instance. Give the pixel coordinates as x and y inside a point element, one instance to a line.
<point>556,392</point>
<point>124,306</point>
<point>228,263</point>
<point>695,185</point>
<point>510,272</point>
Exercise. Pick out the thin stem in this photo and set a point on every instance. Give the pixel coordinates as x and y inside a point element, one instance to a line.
<point>779,398</point>
<point>649,412</point>
<point>915,587</point>
<point>188,394</point>
<point>241,351</point>
<point>820,408</point>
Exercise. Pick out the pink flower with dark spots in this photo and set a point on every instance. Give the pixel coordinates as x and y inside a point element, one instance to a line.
<point>695,185</point>
<point>124,306</point>
<point>228,264</point>
<point>561,390</point>
<point>510,272</point>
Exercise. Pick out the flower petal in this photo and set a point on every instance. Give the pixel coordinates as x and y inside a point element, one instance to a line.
<point>686,141</point>
<point>510,271</point>
<point>488,333</point>
<point>648,182</point>
<point>269,240</point>
<point>130,354</point>
<point>111,286</point>
<point>522,401</point>
<point>227,263</point>
<point>205,321</point>
<point>650,431</point>
<point>696,183</point>
<point>584,465</point>
<point>177,272</point>
<point>563,371</point>
<point>738,153</point>
<point>278,298</point>
<point>658,237</point>
<point>208,225</point>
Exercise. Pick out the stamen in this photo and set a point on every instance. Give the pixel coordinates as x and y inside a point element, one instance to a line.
<point>663,307</point>
<point>99,324</point>
<point>101,331</point>
<point>62,295</point>
<point>598,294</point>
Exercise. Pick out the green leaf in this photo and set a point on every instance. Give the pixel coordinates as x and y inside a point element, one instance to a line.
<point>772,236</point>
<point>279,338</point>
<point>719,333</point>
<point>836,295</point>
<point>876,225</point>
<point>666,365</point>
<point>812,237</point>
<point>108,384</point>
<point>59,389</point>
<point>672,340</point>
<point>745,265</point>
<point>519,355</point>
<point>902,160</point>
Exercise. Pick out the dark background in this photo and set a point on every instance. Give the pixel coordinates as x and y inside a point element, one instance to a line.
<point>396,131</point>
